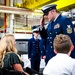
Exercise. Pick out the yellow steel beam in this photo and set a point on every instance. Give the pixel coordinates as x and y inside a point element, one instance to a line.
<point>64,4</point>
<point>33,4</point>
<point>37,4</point>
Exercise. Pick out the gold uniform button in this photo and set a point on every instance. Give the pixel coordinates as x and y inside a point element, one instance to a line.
<point>56,32</point>
<point>50,37</point>
<point>50,33</point>
<point>50,42</point>
<point>51,46</point>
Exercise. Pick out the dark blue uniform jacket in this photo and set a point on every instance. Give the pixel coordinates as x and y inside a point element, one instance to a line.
<point>62,25</point>
<point>33,48</point>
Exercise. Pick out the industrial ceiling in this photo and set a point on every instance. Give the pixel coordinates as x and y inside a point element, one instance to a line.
<point>37,4</point>
<point>62,5</point>
<point>32,8</point>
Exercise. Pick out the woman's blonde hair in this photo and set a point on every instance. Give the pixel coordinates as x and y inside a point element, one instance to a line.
<point>7,45</point>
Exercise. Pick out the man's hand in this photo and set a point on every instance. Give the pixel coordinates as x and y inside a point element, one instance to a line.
<point>44,57</point>
<point>42,21</point>
<point>29,58</point>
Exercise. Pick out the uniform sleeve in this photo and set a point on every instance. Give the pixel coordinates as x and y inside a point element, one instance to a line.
<point>43,33</point>
<point>68,29</point>
<point>29,48</point>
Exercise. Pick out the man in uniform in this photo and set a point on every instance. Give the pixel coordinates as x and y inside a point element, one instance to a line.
<point>58,24</point>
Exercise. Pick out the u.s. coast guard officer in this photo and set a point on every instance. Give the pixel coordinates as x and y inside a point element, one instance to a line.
<point>34,50</point>
<point>58,24</point>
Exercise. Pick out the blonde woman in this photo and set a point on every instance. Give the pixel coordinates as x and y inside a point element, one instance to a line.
<point>9,58</point>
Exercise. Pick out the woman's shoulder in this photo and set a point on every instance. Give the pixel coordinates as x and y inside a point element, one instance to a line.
<point>12,54</point>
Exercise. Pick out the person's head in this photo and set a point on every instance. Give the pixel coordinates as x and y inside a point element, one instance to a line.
<point>35,33</point>
<point>63,44</point>
<point>7,43</point>
<point>50,11</point>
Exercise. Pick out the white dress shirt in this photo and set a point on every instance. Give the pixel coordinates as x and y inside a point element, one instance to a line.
<point>61,64</point>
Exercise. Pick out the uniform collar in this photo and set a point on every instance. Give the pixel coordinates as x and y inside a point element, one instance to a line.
<point>35,38</point>
<point>56,17</point>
